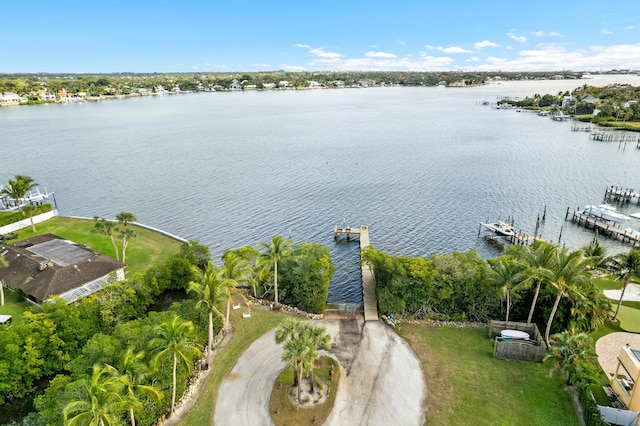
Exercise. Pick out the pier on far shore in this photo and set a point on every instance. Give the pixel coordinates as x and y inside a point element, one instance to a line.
<point>369,299</point>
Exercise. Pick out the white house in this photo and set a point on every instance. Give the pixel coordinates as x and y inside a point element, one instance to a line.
<point>9,98</point>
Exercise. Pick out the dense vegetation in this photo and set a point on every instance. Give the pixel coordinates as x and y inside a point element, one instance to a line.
<point>87,347</point>
<point>126,83</point>
<point>617,102</point>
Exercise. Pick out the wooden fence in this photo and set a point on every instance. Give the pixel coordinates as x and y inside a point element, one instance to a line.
<point>514,349</point>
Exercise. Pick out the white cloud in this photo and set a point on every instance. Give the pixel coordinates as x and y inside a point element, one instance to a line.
<point>554,34</point>
<point>291,68</point>
<point>520,39</point>
<point>318,51</point>
<point>485,43</point>
<point>451,49</point>
<point>372,46</point>
<point>195,67</point>
<point>606,31</point>
<point>379,55</point>
<point>401,42</point>
<point>474,59</point>
<point>539,33</point>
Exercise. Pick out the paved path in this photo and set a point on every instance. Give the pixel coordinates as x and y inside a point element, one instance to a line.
<point>382,382</point>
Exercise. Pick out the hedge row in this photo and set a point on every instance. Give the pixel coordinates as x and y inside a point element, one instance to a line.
<point>10,218</point>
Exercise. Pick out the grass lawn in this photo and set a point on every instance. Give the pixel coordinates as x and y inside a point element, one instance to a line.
<point>148,248</point>
<point>289,414</point>
<point>466,385</point>
<point>245,332</point>
<point>13,308</point>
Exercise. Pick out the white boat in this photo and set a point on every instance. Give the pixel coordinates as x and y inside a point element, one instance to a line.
<point>500,228</point>
<point>605,212</point>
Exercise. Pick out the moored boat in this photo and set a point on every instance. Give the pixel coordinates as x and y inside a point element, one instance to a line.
<point>605,212</point>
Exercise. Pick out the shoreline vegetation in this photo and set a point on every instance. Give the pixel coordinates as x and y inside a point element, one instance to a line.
<point>34,89</point>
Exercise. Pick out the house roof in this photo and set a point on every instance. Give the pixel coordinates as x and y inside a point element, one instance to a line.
<point>48,265</point>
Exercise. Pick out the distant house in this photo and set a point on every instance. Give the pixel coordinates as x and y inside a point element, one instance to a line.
<point>9,98</point>
<point>315,85</point>
<point>589,99</point>
<point>267,86</point>
<point>48,265</point>
<point>235,85</point>
<point>568,102</point>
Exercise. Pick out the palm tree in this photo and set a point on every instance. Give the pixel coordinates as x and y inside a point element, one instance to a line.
<point>300,354</point>
<point>505,273</point>
<point>29,210</point>
<point>626,266</point>
<point>209,293</point>
<point>591,311</point>
<point>234,272</point>
<point>108,227</point>
<point>125,217</point>
<point>271,254</point>
<point>3,264</point>
<point>126,234</point>
<point>568,352</point>
<point>133,373</point>
<point>103,400</point>
<point>319,338</point>
<point>174,338</point>
<point>570,272</point>
<point>18,188</point>
<point>538,259</point>
<point>290,329</point>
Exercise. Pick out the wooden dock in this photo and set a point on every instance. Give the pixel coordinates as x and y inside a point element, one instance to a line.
<point>512,235</point>
<point>603,227</point>
<point>618,195</point>
<point>369,299</point>
<point>613,136</point>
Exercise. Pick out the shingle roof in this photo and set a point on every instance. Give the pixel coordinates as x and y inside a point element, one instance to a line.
<point>47,265</point>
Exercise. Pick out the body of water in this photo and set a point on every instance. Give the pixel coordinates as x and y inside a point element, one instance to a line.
<point>421,166</point>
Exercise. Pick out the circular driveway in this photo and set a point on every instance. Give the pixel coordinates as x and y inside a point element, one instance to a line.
<point>383,383</point>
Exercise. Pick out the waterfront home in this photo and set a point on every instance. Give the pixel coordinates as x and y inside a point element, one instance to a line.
<point>626,378</point>
<point>268,86</point>
<point>10,98</point>
<point>48,265</point>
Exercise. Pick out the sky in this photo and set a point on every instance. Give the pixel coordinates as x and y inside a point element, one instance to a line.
<point>403,35</point>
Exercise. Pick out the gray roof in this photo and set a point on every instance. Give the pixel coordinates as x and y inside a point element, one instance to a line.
<point>48,265</point>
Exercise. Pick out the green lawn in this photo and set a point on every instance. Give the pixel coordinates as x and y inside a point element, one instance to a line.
<point>13,308</point>
<point>466,385</point>
<point>245,332</point>
<point>147,249</point>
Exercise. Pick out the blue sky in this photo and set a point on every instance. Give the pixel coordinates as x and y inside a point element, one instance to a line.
<point>401,35</point>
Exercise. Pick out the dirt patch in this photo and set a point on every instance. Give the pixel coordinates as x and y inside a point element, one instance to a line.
<point>233,376</point>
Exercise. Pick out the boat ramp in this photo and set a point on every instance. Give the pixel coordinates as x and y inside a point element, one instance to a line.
<point>603,227</point>
<point>369,299</point>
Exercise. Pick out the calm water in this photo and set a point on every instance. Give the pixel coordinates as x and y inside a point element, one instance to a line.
<point>421,166</point>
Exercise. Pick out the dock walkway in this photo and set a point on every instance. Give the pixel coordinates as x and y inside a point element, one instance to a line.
<point>369,299</point>
<point>603,227</point>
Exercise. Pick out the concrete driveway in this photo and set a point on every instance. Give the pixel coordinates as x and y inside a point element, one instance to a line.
<point>382,382</point>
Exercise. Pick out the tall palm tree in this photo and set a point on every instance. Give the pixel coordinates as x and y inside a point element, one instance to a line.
<point>174,339</point>
<point>126,234</point>
<point>18,188</point>
<point>234,272</point>
<point>505,272</point>
<point>3,264</point>
<point>209,294</point>
<point>133,373</point>
<point>290,329</point>
<point>626,265</point>
<point>271,254</point>
<point>108,228</point>
<point>103,402</point>
<point>319,338</point>
<point>538,259</point>
<point>29,210</point>
<point>570,273</point>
